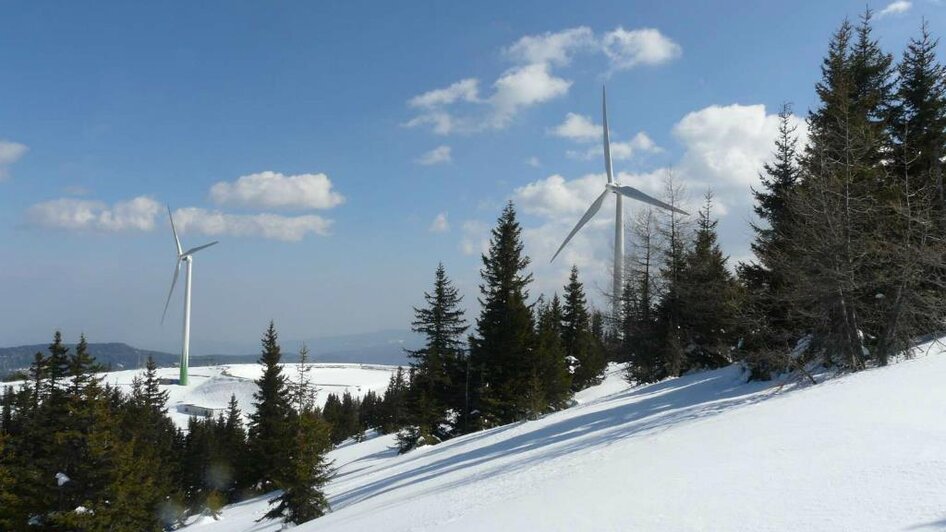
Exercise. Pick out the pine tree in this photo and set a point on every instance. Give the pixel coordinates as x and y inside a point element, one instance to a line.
<point>307,471</point>
<point>918,121</point>
<point>394,402</point>
<point>711,300</point>
<point>831,258</point>
<point>768,308</point>
<point>674,230</point>
<point>436,365</point>
<point>577,339</point>
<point>269,433</point>
<point>302,391</point>
<point>501,349</point>
<point>639,345</point>
<point>550,386</point>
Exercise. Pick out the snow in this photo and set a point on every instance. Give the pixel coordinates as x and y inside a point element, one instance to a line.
<point>211,386</point>
<point>706,451</point>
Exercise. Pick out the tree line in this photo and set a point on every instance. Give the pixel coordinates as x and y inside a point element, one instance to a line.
<point>849,246</point>
<point>77,454</point>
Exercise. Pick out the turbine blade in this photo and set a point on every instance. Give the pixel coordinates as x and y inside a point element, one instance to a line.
<point>589,214</point>
<point>177,240</point>
<point>633,193</point>
<point>191,251</point>
<point>177,270</point>
<point>607,135</point>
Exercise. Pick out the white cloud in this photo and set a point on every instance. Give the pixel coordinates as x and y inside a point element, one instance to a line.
<point>438,155</point>
<point>274,190</point>
<point>270,226</point>
<point>475,237</point>
<point>646,46</point>
<point>552,48</point>
<point>533,162</point>
<point>71,214</point>
<point>440,224</point>
<point>724,148</point>
<point>460,108</point>
<point>577,127</point>
<point>523,87</point>
<point>727,145</point>
<point>466,90</point>
<point>620,151</point>
<point>896,8</point>
<point>10,152</point>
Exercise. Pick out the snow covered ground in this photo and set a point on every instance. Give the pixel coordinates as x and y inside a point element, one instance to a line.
<point>211,387</point>
<point>702,452</point>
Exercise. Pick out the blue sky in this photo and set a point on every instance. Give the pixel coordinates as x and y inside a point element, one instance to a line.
<point>338,152</point>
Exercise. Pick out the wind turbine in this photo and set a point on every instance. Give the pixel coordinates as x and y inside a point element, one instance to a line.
<point>187,257</point>
<point>619,192</point>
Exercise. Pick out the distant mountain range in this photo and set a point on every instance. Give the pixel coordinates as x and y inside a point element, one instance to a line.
<point>381,347</point>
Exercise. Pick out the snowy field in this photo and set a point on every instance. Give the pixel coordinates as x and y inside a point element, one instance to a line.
<point>702,452</point>
<point>211,386</point>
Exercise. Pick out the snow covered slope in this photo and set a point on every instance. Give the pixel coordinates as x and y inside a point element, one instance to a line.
<point>701,452</point>
<point>211,387</point>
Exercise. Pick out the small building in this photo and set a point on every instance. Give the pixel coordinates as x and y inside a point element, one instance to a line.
<point>200,411</point>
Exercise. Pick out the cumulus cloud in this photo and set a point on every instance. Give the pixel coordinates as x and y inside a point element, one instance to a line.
<point>646,46</point>
<point>273,190</point>
<point>10,152</point>
<point>727,145</point>
<point>270,226</point>
<point>523,87</point>
<point>72,214</point>
<point>440,224</point>
<point>438,155</point>
<point>466,90</point>
<point>578,128</point>
<point>461,108</point>
<point>620,150</point>
<point>895,8</point>
<point>724,148</point>
<point>555,48</point>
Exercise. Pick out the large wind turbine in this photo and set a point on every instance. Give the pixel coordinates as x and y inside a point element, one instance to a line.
<point>187,257</point>
<point>619,192</point>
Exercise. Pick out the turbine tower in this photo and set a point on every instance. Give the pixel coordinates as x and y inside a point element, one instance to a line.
<point>187,257</point>
<point>619,192</point>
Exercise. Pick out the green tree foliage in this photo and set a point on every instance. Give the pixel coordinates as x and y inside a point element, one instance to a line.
<point>269,433</point>
<point>551,382</point>
<point>502,347</point>
<point>577,339</point>
<point>302,498</point>
<point>710,313</point>
<point>436,366</point>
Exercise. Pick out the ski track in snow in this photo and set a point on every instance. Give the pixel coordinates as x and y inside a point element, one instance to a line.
<point>706,451</point>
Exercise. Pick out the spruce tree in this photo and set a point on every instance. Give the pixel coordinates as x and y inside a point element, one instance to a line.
<point>674,231</point>
<point>711,299</point>
<point>918,119</point>
<point>269,434</point>
<point>501,350</point>
<point>436,366</point>
<point>768,309</point>
<point>577,338</point>
<point>307,471</point>
<point>552,380</point>
<point>302,391</point>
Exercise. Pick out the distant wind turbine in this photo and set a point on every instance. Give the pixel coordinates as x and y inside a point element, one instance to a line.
<point>187,257</point>
<point>619,192</point>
